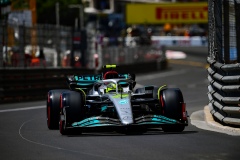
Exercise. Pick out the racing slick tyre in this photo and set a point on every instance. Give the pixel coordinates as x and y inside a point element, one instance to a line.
<point>53,108</point>
<point>171,100</point>
<point>72,110</point>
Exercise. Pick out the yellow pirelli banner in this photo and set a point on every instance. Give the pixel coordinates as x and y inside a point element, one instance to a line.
<point>195,12</point>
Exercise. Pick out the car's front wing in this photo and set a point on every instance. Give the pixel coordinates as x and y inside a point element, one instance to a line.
<point>143,120</point>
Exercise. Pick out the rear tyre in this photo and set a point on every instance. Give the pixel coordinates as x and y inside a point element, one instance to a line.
<point>171,101</point>
<point>139,90</point>
<point>72,110</point>
<point>53,108</point>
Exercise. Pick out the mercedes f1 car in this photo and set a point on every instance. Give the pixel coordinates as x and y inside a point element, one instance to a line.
<point>109,101</point>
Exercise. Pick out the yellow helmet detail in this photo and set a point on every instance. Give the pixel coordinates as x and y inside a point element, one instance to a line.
<point>111,87</point>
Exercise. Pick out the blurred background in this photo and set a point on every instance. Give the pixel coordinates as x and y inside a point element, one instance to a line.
<point>91,33</point>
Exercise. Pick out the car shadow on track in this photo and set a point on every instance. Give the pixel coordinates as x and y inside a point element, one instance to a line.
<point>149,132</point>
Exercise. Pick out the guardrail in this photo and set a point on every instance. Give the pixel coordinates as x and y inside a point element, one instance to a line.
<point>18,85</point>
<point>30,84</point>
<point>224,95</point>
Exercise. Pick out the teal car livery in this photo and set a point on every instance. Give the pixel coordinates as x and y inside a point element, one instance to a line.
<point>110,101</point>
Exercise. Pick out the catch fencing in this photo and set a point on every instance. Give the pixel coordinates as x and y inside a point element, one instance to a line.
<point>224,59</point>
<point>128,55</point>
<point>20,46</point>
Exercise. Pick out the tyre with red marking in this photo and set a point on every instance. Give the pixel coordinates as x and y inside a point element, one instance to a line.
<point>53,108</point>
<point>72,110</point>
<point>171,100</point>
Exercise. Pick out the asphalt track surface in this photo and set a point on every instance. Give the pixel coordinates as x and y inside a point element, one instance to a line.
<point>24,134</point>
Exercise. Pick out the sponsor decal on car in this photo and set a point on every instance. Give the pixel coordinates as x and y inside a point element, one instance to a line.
<point>88,77</point>
<point>124,101</point>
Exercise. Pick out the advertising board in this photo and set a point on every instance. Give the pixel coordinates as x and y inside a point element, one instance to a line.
<point>189,13</point>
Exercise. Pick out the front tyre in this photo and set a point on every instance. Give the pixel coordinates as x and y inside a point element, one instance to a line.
<point>62,123</point>
<point>72,110</point>
<point>172,102</point>
<point>53,108</point>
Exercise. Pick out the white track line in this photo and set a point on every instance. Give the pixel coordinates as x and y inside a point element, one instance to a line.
<point>59,148</point>
<point>22,109</point>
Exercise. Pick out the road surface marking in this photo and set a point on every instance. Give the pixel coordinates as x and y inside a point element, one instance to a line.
<point>21,109</point>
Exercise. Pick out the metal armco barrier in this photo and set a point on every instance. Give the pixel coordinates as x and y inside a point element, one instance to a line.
<point>18,85</point>
<point>224,92</point>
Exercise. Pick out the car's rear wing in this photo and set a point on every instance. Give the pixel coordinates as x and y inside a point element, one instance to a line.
<point>87,81</point>
<point>82,81</point>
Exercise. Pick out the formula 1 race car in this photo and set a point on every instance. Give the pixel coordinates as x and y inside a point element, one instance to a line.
<point>109,101</point>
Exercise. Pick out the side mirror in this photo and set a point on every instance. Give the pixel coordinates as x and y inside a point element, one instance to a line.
<point>96,86</point>
<point>132,76</point>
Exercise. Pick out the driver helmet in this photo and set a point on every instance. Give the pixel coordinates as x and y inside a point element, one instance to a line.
<point>111,87</point>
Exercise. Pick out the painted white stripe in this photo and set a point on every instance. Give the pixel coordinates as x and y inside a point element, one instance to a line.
<point>89,153</point>
<point>22,109</point>
<point>175,54</point>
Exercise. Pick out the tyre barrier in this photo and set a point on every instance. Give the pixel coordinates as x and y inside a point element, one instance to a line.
<point>31,84</point>
<point>224,92</point>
